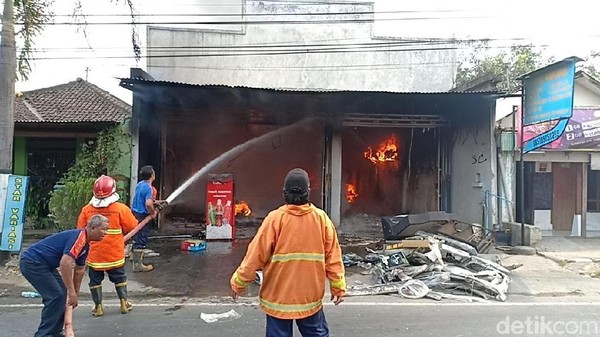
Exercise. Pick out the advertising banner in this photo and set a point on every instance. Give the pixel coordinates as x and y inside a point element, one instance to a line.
<point>548,98</point>
<point>220,215</point>
<point>13,193</point>
<point>582,131</point>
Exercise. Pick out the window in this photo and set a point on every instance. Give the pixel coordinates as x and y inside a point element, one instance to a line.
<point>593,193</point>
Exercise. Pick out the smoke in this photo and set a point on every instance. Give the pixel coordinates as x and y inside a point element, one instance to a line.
<point>233,154</point>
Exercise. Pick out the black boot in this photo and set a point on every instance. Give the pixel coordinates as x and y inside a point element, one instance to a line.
<point>97,298</point>
<point>121,288</point>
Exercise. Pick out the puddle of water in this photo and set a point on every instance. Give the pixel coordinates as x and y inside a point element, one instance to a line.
<point>196,274</point>
<point>207,273</point>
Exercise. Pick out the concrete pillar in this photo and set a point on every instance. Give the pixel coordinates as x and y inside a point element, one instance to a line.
<point>135,155</point>
<point>336,178</point>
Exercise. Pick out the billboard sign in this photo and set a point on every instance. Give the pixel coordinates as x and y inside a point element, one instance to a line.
<point>548,98</point>
<point>13,193</point>
<point>582,131</point>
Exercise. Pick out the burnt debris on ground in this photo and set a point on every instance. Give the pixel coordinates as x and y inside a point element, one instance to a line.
<point>431,255</point>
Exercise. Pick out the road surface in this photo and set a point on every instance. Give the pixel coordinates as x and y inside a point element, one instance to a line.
<point>353,318</point>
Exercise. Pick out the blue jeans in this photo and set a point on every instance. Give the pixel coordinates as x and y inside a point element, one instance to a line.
<point>312,326</point>
<point>50,285</point>
<point>141,238</point>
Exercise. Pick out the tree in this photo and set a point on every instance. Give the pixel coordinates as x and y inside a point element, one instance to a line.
<point>96,158</point>
<point>502,68</point>
<point>589,66</point>
<point>8,65</point>
<point>31,16</point>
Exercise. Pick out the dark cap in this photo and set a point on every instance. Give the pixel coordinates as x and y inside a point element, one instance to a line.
<point>296,181</point>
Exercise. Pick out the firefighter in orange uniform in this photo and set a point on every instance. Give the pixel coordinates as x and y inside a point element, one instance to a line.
<point>297,248</point>
<point>108,255</point>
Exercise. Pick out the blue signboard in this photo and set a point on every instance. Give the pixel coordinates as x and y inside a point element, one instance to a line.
<point>14,213</point>
<point>549,97</point>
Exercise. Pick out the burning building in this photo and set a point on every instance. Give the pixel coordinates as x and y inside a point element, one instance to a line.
<point>366,152</point>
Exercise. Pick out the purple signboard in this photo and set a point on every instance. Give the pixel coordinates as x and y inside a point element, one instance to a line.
<point>582,131</point>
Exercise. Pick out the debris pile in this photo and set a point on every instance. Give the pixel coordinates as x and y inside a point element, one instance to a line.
<point>435,266</point>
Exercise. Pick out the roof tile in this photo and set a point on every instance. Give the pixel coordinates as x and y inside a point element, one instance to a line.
<point>73,102</point>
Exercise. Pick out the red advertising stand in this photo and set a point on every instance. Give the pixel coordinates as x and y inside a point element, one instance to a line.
<point>220,216</point>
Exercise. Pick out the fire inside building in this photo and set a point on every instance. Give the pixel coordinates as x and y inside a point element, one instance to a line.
<point>374,153</point>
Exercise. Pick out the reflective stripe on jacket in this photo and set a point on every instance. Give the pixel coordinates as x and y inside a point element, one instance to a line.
<point>297,248</point>
<point>110,252</point>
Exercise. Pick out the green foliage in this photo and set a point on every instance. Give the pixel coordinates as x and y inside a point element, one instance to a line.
<point>79,17</point>
<point>95,159</point>
<point>35,210</point>
<point>503,67</point>
<point>589,66</point>
<point>30,18</point>
<point>67,201</point>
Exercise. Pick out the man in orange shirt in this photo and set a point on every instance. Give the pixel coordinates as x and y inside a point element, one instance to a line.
<point>297,248</point>
<point>108,255</point>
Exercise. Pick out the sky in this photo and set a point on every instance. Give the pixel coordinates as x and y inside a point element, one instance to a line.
<point>63,53</point>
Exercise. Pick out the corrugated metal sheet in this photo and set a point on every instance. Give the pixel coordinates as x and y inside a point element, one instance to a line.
<point>128,83</point>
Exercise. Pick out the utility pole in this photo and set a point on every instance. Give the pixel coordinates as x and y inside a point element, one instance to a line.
<point>87,72</point>
<point>8,69</point>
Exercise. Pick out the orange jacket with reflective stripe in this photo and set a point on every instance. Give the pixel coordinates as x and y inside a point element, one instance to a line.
<point>110,252</point>
<point>297,248</point>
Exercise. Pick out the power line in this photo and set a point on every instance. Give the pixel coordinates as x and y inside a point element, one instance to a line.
<point>275,53</point>
<point>377,66</point>
<point>257,22</point>
<point>252,47</point>
<point>301,47</point>
<point>259,14</point>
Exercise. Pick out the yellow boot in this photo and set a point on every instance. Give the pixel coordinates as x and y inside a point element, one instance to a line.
<point>138,264</point>
<point>98,309</point>
<point>126,306</point>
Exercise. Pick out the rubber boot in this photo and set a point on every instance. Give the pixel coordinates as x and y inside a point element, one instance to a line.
<point>98,309</point>
<point>138,258</point>
<point>121,288</point>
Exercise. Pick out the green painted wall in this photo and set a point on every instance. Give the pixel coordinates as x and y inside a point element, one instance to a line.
<point>20,156</point>
<point>124,165</point>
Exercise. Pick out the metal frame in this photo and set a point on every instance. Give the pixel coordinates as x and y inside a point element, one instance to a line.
<point>397,121</point>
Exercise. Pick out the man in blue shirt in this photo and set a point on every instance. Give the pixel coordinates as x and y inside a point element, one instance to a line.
<point>39,265</point>
<point>143,206</point>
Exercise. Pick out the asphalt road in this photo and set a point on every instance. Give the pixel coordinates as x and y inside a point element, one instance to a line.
<point>349,319</point>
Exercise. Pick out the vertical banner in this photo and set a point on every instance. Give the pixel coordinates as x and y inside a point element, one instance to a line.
<point>548,100</point>
<point>14,192</point>
<point>220,215</point>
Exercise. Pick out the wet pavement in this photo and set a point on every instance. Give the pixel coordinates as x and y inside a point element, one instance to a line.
<point>207,273</point>
<point>193,274</point>
<point>201,274</point>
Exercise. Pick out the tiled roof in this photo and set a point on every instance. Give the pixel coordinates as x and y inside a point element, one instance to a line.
<point>74,102</point>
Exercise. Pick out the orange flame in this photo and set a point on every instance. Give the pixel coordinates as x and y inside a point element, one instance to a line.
<point>388,151</point>
<point>351,194</point>
<point>243,208</point>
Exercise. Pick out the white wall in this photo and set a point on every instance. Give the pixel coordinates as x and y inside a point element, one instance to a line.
<point>585,97</point>
<point>387,68</point>
<point>473,159</point>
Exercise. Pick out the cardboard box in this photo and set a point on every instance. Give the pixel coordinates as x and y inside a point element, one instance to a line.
<point>406,244</point>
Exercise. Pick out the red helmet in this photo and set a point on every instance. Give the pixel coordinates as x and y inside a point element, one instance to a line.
<point>104,187</point>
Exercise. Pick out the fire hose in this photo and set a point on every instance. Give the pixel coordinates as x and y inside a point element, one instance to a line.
<point>69,332</point>
<point>159,207</point>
